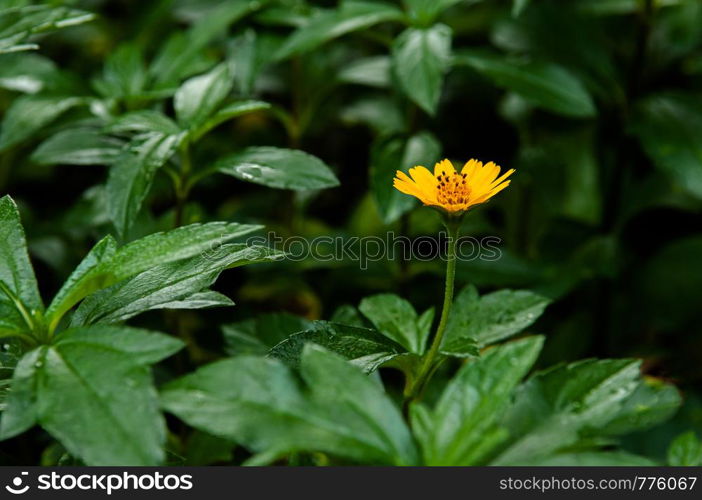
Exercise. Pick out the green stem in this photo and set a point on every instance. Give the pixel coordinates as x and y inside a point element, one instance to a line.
<point>430,360</point>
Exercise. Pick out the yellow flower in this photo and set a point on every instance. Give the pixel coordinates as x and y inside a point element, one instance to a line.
<point>451,191</point>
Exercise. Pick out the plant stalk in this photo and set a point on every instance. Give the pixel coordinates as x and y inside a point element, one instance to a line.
<point>430,360</point>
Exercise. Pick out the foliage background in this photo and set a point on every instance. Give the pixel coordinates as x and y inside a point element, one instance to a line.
<point>596,103</point>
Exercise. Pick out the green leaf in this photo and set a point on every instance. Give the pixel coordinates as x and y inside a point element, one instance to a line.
<point>168,286</point>
<point>371,71</point>
<point>75,389</point>
<point>103,251</point>
<point>28,73</point>
<point>182,52</point>
<point>491,318</point>
<point>258,335</point>
<point>19,23</point>
<point>200,96</point>
<point>558,408</point>
<point>205,299</point>
<point>651,403</point>
<point>143,121</point>
<point>464,426</point>
<point>18,285</point>
<point>363,347</point>
<point>78,146</point>
<point>139,256</point>
<point>348,315</point>
<point>253,401</point>
<point>228,112</point>
<point>425,12</point>
<point>124,74</point>
<point>132,174</point>
<point>359,403</point>
<point>685,451</point>
<point>668,127</point>
<point>327,25</point>
<point>20,412</point>
<point>393,154</point>
<point>420,58</point>
<point>278,168</point>
<point>396,318</point>
<point>544,84</point>
<point>258,403</point>
<point>30,113</point>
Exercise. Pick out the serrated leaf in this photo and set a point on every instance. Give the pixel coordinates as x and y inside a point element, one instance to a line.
<point>132,174</point>
<point>19,24</point>
<point>651,403</point>
<point>75,389</point>
<point>363,347</point>
<point>420,58</point>
<point>546,85</point>
<point>278,168</point>
<point>258,335</point>
<point>464,426</point>
<point>141,255</point>
<point>491,318</point>
<point>200,96</point>
<point>205,299</point>
<point>258,403</point>
<point>359,403</point>
<point>78,146</point>
<point>169,286</point>
<point>396,318</point>
<point>559,407</point>
<point>103,251</point>
<point>350,16</point>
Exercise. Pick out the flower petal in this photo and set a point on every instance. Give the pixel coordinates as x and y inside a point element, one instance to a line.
<point>444,167</point>
<point>497,181</point>
<point>425,181</point>
<point>471,166</point>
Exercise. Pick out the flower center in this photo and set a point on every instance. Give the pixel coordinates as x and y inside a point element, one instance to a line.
<point>452,189</point>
